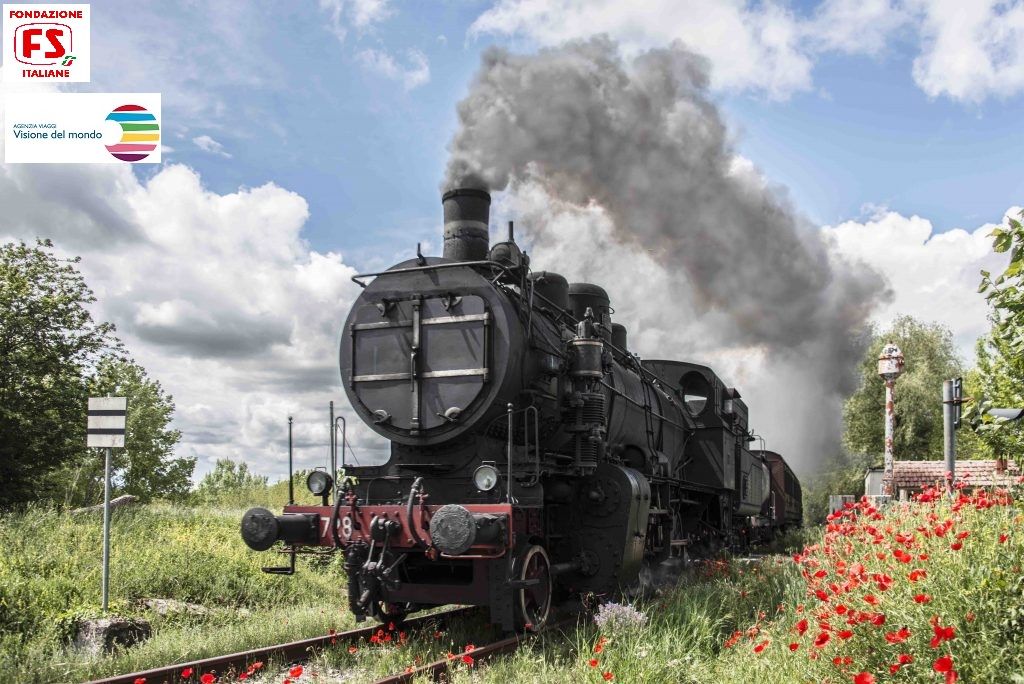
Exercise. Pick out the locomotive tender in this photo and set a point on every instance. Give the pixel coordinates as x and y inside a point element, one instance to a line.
<point>532,455</point>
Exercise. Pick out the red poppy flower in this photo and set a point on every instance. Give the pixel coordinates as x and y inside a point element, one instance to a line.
<point>844,634</point>
<point>186,673</point>
<point>761,646</point>
<point>870,598</point>
<point>468,659</point>
<point>207,678</point>
<point>878,619</point>
<point>821,594</point>
<point>353,649</point>
<point>905,658</point>
<point>917,574</point>
<point>922,598</point>
<point>140,680</point>
<point>257,665</point>
<point>243,676</point>
<point>821,639</point>
<point>793,646</point>
<point>592,662</point>
<point>295,672</point>
<point>607,676</point>
<point>801,627</point>
<point>864,678</point>
<point>956,546</point>
<point>598,647</point>
<point>942,634</point>
<point>286,681</point>
<point>894,668</point>
<point>943,663</point>
<point>963,535</point>
<point>898,637</point>
<point>1003,538</point>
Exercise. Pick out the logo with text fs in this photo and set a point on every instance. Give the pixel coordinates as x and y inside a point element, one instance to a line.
<point>45,43</point>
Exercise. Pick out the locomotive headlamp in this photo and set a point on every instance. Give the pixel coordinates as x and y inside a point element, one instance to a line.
<point>485,477</point>
<point>319,483</point>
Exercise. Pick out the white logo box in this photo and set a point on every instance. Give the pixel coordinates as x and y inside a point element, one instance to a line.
<point>46,43</point>
<point>82,128</point>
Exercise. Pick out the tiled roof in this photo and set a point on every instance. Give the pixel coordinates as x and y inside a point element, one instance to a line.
<point>917,474</point>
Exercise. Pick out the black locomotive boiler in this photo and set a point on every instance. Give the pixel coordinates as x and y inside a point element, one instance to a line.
<point>532,454</point>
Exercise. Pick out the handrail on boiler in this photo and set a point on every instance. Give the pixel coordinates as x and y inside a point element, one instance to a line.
<point>430,267</point>
<point>527,413</point>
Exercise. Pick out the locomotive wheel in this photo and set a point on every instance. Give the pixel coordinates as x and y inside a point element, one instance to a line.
<point>533,603</point>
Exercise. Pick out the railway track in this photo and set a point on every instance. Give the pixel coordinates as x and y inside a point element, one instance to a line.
<point>437,670</point>
<point>290,652</point>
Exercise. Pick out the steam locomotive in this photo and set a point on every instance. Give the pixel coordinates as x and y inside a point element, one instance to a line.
<point>532,455</point>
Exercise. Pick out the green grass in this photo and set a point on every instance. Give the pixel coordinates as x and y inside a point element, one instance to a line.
<point>706,629</point>
<point>50,577</point>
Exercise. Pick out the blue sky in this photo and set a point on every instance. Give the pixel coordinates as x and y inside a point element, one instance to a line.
<point>368,153</point>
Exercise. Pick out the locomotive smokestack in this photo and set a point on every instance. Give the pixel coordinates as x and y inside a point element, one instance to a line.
<point>466,215</point>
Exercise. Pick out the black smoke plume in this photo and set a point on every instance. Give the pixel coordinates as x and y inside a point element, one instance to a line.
<point>642,140</point>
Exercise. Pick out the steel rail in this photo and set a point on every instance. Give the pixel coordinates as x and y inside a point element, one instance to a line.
<point>439,669</point>
<point>290,652</point>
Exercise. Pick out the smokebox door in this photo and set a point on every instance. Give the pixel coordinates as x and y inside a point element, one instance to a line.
<point>423,363</point>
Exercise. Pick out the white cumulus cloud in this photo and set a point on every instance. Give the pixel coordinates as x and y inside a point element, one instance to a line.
<point>967,50</point>
<point>934,276</point>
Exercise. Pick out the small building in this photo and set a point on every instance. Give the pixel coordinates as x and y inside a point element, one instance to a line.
<point>910,477</point>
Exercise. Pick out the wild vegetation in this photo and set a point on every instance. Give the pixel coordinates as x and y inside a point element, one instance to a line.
<point>50,578</point>
<point>890,595</point>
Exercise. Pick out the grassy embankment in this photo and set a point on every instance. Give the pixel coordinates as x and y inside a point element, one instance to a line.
<point>50,577</point>
<point>726,622</point>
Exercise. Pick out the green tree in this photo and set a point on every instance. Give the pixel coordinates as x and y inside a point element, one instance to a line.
<point>48,341</point>
<point>146,467</point>
<point>999,380</point>
<point>229,477</point>
<point>931,358</point>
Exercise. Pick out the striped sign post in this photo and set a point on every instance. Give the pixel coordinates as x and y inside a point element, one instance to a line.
<point>105,430</point>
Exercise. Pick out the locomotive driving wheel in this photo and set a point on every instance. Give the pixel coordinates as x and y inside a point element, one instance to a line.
<point>533,597</point>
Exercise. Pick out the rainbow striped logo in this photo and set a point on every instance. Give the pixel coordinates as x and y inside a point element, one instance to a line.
<point>140,133</point>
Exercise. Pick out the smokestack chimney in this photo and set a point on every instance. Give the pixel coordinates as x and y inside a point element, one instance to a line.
<point>466,215</point>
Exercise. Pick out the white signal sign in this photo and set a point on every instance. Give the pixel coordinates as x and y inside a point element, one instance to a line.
<point>106,422</point>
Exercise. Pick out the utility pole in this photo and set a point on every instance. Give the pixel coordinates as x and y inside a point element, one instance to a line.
<point>952,398</point>
<point>890,367</point>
